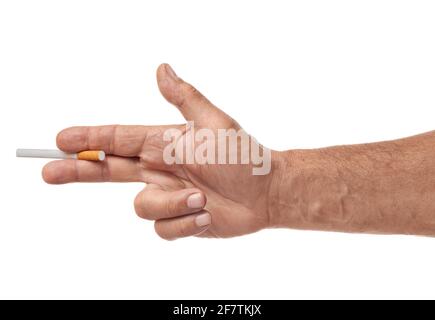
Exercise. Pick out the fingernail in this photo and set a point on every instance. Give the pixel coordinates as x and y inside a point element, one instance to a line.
<point>203,220</point>
<point>170,72</point>
<point>195,201</point>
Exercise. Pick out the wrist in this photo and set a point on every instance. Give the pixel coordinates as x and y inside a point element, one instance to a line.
<point>283,171</point>
<point>307,192</point>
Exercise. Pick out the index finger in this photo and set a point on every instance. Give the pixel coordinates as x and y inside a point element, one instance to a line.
<point>126,141</point>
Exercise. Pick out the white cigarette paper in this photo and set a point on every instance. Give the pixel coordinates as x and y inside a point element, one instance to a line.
<point>92,155</point>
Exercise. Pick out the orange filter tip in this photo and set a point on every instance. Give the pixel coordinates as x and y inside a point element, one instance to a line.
<point>91,155</point>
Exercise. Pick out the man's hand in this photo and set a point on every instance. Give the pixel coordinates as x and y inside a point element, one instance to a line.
<point>385,187</point>
<point>207,200</point>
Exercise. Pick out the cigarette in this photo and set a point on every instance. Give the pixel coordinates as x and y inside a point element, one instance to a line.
<point>91,155</point>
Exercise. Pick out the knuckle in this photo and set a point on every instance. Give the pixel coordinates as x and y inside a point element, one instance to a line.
<point>182,229</point>
<point>150,159</point>
<point>189,93</point>
<point>172,207</point>
<point>189,90</point>
<point>231,123</point>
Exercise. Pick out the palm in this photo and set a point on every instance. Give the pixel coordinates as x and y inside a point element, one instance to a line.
<point>236,198</point>
<point>237,202</point>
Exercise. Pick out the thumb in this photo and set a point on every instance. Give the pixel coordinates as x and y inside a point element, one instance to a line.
<point>191,103</point>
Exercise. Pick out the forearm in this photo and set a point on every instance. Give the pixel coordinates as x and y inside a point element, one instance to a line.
<point>386,187</point>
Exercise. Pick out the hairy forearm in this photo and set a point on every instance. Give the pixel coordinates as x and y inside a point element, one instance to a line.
<point>386,187</point>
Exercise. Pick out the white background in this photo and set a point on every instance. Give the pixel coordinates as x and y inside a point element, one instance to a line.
<point>296,74</point>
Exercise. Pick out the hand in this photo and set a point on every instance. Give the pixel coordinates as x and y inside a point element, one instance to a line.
<point>207,200</point>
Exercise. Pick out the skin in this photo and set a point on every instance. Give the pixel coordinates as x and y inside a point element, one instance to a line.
<point>384,187</point>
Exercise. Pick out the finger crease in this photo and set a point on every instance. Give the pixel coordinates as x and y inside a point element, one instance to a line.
<point>168,208</point>
<point>76,171</point>
<point>88,134</point>
<point>112,142</point>
<point>145,137</point>
<point>105,171</point>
